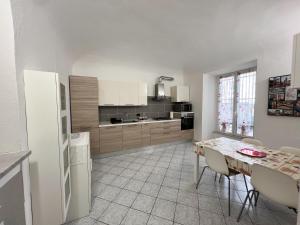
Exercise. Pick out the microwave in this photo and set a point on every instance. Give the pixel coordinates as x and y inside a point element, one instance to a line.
<point>182,107</point>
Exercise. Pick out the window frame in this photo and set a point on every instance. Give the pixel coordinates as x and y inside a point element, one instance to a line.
<point>235,75</point>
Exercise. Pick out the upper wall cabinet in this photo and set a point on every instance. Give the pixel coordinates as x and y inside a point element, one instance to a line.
<point>180,93</point>
<point>109,92</point>
<point>129,93</point>
<point>143,93</point>
<point>296,62</point>
<point>117,93</point>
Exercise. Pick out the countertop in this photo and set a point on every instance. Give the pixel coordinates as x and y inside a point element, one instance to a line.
<point>109,124</point>
<point>10,160</point>
<point>80,139</point>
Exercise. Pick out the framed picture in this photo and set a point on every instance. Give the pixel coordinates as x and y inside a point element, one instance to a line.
<point>282,99</point>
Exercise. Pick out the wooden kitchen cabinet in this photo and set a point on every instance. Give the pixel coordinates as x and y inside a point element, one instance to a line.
<point>128,136</point>
<point>165,132</point>
<point>146,134</point>
<point>94,141</point>
<point>84,108</point>
<point>187,134</point>
<point>111,139</point>
<point>132,136</point>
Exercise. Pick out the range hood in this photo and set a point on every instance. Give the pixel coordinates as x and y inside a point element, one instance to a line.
<point>160,87</point>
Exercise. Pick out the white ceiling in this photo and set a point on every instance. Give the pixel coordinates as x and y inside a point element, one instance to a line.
<point>175,33</point>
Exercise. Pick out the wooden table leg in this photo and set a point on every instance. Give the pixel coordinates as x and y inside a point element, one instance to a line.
<point>196,168</point>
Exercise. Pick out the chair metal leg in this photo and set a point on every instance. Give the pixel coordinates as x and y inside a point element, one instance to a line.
<point>229,199</point>
<point>256,198</point>
<point>216,176</point>
<point>251,197</point>
<point>220,178</point>
<point>245,182</point>
<point>204,168</point>
<point>244,203</point>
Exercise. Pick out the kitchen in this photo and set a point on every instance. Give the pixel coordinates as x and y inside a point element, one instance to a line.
<point>126,116</point>
<point>112,111</point>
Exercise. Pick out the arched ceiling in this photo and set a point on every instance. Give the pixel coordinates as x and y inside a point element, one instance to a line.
<point>174,33</point>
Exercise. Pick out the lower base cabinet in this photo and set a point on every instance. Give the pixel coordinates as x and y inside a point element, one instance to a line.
<point>111,139</point>
<point>132,136</point>
<point>119,137</point>
<point>187,134</point>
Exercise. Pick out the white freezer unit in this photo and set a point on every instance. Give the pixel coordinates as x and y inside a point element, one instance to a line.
<point>81,166</point>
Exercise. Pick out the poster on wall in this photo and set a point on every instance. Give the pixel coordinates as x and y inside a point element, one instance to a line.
<point>283,100</point>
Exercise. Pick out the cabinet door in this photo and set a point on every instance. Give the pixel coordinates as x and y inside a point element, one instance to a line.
<point>132,136</point>
<point>129,93</point>
<point>84,102</point>
<point>109,93</point>
<point>111,139</point>
<point>296,63</point>
<point>94,141</point>
<point>183,94</point>
<point>143,94</point>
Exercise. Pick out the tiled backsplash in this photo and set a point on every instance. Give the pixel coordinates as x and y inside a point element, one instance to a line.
<point>152,110</point>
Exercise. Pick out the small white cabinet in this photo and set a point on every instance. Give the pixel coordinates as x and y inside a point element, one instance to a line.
<point>296,62</point>
<point>180,93</point>
<point>118,93</point>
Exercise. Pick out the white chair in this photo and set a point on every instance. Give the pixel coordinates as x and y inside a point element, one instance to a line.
<point>216,161</point>
<point>253,141</point>
<point>295,151</point>
<point>273,184</point>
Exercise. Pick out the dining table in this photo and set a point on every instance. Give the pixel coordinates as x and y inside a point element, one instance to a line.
<point>284,162</point>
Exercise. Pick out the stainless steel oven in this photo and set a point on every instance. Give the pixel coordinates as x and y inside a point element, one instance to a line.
<point>187,119</point>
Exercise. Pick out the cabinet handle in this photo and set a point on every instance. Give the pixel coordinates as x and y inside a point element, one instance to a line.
<point>130,104</point>
<point>108,104</point>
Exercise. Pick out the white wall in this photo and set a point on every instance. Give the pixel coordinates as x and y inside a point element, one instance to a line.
<point>9,119</point>
<point>209,106</point>
<point>38,47</point>
<point>195,81</point>
<point>106,69</point>
<point>274,131</point>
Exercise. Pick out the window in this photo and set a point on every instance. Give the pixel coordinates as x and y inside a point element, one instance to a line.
<point>236,99</point>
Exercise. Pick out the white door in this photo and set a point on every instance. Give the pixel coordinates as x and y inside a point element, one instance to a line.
<point>129,93</point>
<point>109,93</point>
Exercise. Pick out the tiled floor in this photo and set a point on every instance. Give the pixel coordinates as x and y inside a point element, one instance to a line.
<point>155,187</point>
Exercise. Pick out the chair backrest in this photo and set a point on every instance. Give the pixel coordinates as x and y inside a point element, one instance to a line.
<point>216,161</point>
<point>275,185</point>
<point>253,141</point>
<point>292,150</point>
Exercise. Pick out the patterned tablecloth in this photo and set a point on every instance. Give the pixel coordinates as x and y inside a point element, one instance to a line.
<point>286,163</point>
